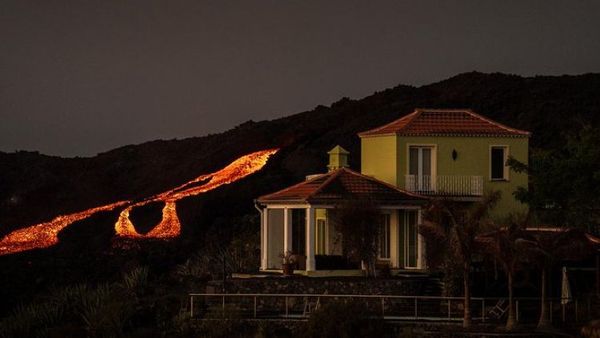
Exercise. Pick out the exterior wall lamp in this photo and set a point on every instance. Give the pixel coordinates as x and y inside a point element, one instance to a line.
<point>454,154</point>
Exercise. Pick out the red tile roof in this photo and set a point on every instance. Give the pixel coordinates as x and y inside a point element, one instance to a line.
<point>339,185</point>
<point>445,122</point>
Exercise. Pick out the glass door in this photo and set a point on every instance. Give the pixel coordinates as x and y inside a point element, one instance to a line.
<point>409,239</point>
<point>419,168</point>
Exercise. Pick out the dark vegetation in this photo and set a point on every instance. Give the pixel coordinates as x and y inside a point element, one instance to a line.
<point>353,220</point>
<point>452,231</point>
<point>345,320</point>
<point>223,223</point>
<point>565,181</point>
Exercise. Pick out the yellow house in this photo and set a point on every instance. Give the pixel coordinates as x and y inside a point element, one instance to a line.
<point>297,220</point>
<point>454,153</point>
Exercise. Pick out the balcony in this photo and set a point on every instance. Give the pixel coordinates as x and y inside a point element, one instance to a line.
<point>445,185</point>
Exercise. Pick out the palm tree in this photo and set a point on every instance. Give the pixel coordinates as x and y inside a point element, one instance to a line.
<point>506,246</point>
<point>548,246</point>
<point>460,224</point>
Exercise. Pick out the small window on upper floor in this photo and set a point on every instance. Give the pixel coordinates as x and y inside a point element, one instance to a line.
<point>498,168</point>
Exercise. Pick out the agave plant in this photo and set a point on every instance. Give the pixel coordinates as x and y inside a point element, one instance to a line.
<point>103,313</point>
<point>31,320</point>
<point>103,310</point>
<point>136,280</point>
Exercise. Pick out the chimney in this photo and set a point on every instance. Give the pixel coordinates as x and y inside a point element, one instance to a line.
<point>338,158</point>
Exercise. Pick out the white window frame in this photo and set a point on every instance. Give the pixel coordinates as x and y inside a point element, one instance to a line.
<point>506,171</point>
<point>433,148</point>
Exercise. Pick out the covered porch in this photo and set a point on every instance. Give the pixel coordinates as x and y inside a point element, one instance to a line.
<point>298,220</point>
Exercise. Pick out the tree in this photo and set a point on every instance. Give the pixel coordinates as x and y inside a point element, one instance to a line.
<point>358,222</point>
<point>547,249</point>
<point>460,224</point>
<point>564,182</point>
<point>505,245</point>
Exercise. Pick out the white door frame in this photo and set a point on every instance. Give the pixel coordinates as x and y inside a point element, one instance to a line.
<point>433,163</point>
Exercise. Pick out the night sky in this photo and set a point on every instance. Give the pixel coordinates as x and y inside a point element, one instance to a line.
<point>81,77</point>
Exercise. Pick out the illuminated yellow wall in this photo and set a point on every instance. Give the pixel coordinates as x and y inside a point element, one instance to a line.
<point>378,158</point>
<point>389,162</point>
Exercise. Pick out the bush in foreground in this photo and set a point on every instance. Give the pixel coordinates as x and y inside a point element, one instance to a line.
<point>340,319</point>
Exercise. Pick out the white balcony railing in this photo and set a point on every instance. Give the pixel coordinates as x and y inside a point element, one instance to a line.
<point>447,185</point>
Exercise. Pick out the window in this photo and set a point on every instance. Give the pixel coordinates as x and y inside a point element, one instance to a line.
<point>420,168</point>
<point>498,169</point>
<point>321,237</point>
<point>384,237</point>
<point>409,240</point>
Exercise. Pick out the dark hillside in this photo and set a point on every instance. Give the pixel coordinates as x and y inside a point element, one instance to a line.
<point>36,187</point>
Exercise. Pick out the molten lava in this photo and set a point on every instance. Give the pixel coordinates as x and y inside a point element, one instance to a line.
<point>44,235</point>
<point>169,226</point>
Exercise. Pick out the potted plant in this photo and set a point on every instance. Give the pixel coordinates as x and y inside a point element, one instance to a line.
<point>288,262</point>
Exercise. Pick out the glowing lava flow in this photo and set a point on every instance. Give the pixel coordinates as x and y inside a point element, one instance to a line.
<point>44,235</point>
<point>169,225</point>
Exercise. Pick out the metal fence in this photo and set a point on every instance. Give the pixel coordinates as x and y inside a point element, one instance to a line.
<point>390,307</point>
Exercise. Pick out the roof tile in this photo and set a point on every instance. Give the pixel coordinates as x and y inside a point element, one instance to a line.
<point>445,122</point>
<point>339,185</point>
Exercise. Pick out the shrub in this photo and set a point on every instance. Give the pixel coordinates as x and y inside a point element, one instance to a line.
<point>267,329</point>
<point>222,324</point>
<point>32,320</point>
<point>105,310</point>
<point>136,280</point>
<point>339,319</point>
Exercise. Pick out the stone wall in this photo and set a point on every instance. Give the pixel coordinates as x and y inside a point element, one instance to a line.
<point>302,306</point>
<point>331,285</point>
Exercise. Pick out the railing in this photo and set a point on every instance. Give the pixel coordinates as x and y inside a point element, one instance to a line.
<point>448,185</point>
<point>391,307</point>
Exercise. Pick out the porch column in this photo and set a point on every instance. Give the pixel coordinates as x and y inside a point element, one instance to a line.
<point>287,230</point>
<point>264,236</point>
<point>310,239</point>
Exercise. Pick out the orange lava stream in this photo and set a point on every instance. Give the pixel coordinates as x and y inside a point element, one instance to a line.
<point>44,235</point>
<point>170,225</point>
